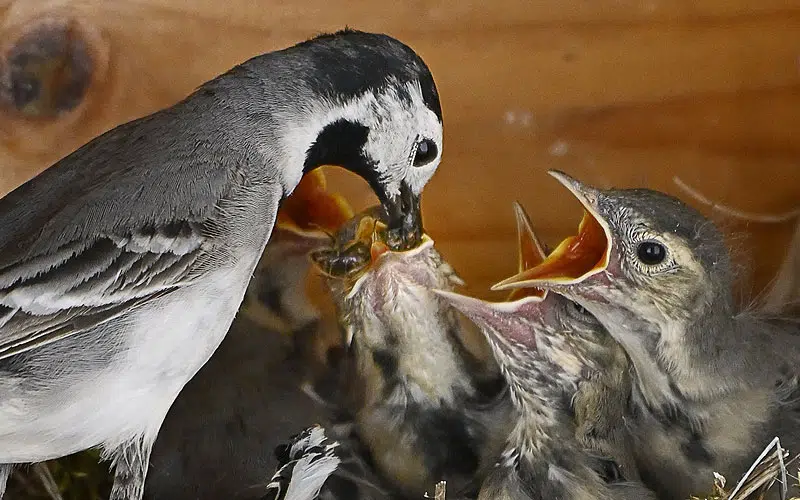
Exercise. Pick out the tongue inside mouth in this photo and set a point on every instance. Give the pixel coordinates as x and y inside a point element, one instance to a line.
<point>573,260</point>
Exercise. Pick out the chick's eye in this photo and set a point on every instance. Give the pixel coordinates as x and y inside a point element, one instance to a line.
<point>651,253</point>
<point>426,152</point>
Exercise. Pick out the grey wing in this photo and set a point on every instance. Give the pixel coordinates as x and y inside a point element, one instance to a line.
<point>119,221</point>
<point>148,173</point>
<point>83,284</point>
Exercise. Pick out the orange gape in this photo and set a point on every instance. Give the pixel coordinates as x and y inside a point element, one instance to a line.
<point>575,256</point>
<point>530,253</point>
<point>311,207</point>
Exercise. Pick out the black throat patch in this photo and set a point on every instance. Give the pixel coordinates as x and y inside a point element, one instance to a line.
<point>341,143</point>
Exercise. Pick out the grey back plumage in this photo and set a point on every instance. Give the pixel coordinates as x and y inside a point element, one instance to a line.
<point>130,214</point>
<point>122,266</point>
<point>134,177</point>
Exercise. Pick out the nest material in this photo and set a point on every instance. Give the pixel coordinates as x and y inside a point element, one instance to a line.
<point>82,476</point>
<point>768,471</point>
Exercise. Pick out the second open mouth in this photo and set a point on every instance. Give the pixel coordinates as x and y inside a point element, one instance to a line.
<point>577,257</point>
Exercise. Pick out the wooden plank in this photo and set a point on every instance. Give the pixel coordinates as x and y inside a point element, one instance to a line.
<point>558,69</point>
<point>617,92</point>
<point>726,123</point>
<point>438,15</point>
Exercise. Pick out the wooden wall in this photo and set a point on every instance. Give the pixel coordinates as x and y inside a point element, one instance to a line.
<point>616,92</point>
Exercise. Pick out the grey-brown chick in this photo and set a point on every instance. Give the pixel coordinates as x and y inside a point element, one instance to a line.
<point>424,406</point>
<point>570,383</point>
<point>713,383</point>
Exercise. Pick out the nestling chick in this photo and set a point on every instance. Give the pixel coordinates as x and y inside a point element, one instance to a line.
<point>424,406</point>
<point>570,383</point>
<point>714,384</point>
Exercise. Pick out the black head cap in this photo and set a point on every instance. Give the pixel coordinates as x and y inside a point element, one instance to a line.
<point>351,62</point>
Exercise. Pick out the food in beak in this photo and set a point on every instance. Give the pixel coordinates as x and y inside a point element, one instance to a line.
<point>359,247</point>
<point>575,258</point>
<point>404,218</point>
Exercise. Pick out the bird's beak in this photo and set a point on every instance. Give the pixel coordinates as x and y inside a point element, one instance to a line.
<point>378,235</point>
<point>404,218</point>
<point>500,322</point>
<point>372,232</point>
<point>353,258</point>
<point>577,257</point>
<point>530,252</point>
<point>311,213</point>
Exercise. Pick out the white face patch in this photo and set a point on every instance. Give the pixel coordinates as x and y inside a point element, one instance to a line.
<point>395,126</point>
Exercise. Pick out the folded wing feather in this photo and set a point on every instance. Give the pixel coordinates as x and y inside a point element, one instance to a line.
<point>83,284</point>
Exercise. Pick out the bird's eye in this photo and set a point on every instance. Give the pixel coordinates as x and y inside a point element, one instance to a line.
<point>651,253</point>
<point>426,152</point>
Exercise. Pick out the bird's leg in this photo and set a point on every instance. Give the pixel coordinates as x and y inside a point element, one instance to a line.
<point>5,473</point>
<point>130,463</point>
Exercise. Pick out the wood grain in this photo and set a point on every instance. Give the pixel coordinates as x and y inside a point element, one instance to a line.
<point>616,92</point>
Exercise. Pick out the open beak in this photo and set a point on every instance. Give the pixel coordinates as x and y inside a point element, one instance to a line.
<point>311,214</point>
<point>367,244</point>
<point>530,252</point>
<point>577,257</point>
<point>404,217</point>
<point>503,320</point>
<point>369,232</point>
<point>500,322</point>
